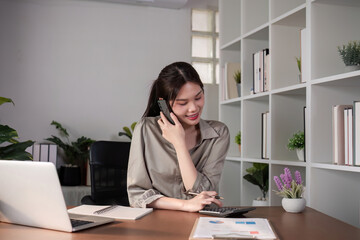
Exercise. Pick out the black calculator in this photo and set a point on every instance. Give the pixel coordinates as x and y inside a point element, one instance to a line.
<point>229,212</point>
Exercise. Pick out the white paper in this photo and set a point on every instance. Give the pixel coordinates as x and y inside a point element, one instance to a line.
<point>208,227</point>
<point>120,212</point>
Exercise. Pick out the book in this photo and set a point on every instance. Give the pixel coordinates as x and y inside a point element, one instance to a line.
<point>36,153</point>
<point>303,56</point>
<point>356,126</point>
<point>265,135</point>
<point>232,228</point>
<point>338,134</point>
<point>304,116</point>
<point>350,136</point>
<point>111,211</point>
<point>53,153</point>
<point>44,152</point>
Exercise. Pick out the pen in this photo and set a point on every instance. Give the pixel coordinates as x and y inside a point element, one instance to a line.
<point>106,209</point>
<point>195,194</point>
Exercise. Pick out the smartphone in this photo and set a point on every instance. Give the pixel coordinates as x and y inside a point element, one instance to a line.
<point>164,108</point>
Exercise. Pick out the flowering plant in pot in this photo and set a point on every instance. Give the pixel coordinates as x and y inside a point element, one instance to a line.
<point>291,190</point>
<point>258,175</point>
<point>76,155</point>
<point>297,142</point>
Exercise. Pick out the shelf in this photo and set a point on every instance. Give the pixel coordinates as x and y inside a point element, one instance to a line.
<point>295,17</point>
<point>282,8</point>
<point>344,21</point>
<point>336,167</point>
<point>254,13</point>
<point>289,163</point>
<point>276,25</point>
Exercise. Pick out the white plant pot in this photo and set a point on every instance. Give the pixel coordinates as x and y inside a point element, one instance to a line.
<point>351,68</point>
<point>300,154</point>
<point>259,203</point>
<point>293,205</point>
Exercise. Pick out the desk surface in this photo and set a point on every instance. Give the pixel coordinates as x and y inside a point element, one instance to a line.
<point>164,224</point>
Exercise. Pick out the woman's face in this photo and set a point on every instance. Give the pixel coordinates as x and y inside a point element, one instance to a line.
<point>188,104</point>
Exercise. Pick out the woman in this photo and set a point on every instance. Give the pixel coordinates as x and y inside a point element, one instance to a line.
<point>167,162</point>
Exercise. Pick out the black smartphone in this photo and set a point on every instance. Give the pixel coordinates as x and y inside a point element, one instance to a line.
<point>164,108</point>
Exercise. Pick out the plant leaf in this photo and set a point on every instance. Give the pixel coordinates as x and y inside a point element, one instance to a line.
<point>7,134</point>
<point>60,128</point>
<point>16,151</point>
<point>5,100</point>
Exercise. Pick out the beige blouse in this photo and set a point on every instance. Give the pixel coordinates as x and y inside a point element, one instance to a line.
<point>154,172</point>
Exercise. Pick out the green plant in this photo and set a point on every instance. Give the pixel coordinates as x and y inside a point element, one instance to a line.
<point>298,61</point>
<point>297,141</point>
<point>237,76</point>
<point>128,131</point>
<point>13,149</point>
<point>258,175</point>
<point>238,138</point>
<point>350,53</point>
<point>76,152</point>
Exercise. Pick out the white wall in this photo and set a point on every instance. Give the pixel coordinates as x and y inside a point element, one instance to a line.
<point>86,64</point>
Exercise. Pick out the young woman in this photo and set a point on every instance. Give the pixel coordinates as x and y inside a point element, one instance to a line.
<point>169,162</point>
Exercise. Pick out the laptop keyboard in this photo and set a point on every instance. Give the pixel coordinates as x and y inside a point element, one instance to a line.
<point>76,222</point>
<point>225,211</point>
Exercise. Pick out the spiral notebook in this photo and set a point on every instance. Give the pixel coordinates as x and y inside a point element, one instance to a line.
<point>111,211</point>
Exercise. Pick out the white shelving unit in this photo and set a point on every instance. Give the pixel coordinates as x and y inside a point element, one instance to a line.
<point>248,26</point>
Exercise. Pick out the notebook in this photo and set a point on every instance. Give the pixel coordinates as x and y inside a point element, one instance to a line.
<point>112,211</point>
<point>30,194</point>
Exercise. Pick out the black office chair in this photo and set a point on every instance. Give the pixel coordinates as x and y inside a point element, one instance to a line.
<point>108,171</point>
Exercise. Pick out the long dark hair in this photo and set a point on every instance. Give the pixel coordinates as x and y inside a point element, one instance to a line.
<point>168,84</point>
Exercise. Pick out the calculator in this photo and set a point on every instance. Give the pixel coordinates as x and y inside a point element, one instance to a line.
<point>230,212</point>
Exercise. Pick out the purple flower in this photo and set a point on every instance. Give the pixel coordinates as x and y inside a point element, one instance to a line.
<point>285,181</point>
<point>298,177</point>
<point>288,174</point>
<point>278,183</point>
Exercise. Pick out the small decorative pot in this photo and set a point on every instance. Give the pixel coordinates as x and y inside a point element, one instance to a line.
<point>350,68</point>
<point>300,154</point>
<point>259,203</point>
<point>240,148</point>
<point>293,205</point>
<point>70,176</point>
<point>239,89</point>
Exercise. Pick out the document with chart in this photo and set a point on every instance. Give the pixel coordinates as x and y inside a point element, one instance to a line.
<point>234,228</point>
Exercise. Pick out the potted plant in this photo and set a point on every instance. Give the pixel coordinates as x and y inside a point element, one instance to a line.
<point>76,156</point>
<point>297,142</point>
<point>291,190</point>
<point>12,149</point>
<point>258,175</point>
<point>237,78</point>
<point>350,54</point>
<point>128,131</point>
<point>238,140</point>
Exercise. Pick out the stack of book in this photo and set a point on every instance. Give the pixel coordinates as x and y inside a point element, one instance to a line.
<point>346,134</point>
<point>43,152</point>
<point>261,71</point>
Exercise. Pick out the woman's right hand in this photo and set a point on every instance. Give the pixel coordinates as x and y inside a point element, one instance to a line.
<point>198,202</point>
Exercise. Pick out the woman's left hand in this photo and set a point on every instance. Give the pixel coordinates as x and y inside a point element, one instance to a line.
<point>175,134</point>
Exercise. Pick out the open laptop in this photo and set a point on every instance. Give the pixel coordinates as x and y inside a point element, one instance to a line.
<point>30,194</point>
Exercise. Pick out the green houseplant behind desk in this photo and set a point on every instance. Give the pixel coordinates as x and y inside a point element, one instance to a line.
<point>176,225</point>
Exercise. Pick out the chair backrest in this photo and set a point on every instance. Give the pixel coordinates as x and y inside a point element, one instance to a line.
<point>108,169</point>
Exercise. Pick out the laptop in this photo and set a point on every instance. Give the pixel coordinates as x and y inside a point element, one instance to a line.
<point>30,194</point>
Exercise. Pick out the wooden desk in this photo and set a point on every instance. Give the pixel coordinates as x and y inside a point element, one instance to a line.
<point>163,224</point>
